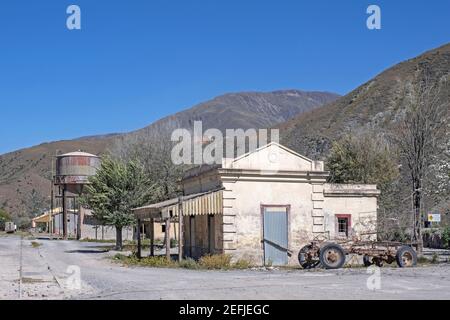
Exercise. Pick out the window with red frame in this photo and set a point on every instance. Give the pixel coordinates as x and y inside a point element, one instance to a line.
<point>344,224</point>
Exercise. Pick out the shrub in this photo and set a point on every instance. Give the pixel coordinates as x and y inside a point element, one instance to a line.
<point>35,244</point>
<point>156,262</point>
<point>218,261</point>
<point>189,264</point>
<point>242,264</point>
<point>446,237</point>
<point>435,258</point>
<point>210,262</point>
<point>422,260</point>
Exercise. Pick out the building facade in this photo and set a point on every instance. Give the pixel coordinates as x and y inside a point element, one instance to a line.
<point>264,207</point>
<point>275,201</point>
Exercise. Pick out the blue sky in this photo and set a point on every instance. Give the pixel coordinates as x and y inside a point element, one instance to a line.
<point>136,61</point>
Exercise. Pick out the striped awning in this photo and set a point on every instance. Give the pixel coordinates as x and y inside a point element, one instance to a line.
<point>47,215</point>
<point>43,218</point>
<point>196,204</point>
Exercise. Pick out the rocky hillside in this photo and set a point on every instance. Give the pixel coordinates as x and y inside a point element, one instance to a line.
<point>378,104</point>
<point>25,174</point>
<point>377,107</point>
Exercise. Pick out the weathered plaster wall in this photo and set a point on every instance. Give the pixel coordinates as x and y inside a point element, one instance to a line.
<point>275,176</point>
<point>206,238</point>
<point>243,227</point>
<point>311,213</point>
<point>202,183</point>
<point>274,157</point>
<point>363,211</point>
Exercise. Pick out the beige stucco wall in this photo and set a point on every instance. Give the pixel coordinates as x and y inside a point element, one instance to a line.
<point>274,158</point>
<point>243,234</point>
<point>291,180</point>
<point>363,211</point>
<point>202,183</point>
<point>243,203</point>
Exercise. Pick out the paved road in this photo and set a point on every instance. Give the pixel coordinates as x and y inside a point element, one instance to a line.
<point>44,275</point>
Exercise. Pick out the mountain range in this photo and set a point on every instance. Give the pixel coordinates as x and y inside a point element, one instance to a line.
<point>25,175</point>
<point>308,121</point>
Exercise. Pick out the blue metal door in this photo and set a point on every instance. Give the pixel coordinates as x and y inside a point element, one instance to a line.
<point>276,236</point>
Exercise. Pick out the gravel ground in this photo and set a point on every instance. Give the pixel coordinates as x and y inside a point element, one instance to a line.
<point>50,272</point>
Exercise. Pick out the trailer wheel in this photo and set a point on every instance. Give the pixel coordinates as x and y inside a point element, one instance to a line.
<point>406,257</point>
<point>305,259</point>
<point>367,261</point>
<point>332,256</point>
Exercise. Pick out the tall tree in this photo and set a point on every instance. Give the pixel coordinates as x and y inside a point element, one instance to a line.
<point>362,158</point>
<point>418,137</point>
<point>366,158</point>
<point>4,217</point>
<point>154,152</point>
<point>115,190</point>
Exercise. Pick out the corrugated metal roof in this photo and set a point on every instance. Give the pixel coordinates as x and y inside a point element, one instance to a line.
<point>77,154</point>
<point>45,217</point>
<point>196,204</point>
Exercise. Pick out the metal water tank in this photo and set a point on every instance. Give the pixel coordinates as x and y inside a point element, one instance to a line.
<point>74,169</point>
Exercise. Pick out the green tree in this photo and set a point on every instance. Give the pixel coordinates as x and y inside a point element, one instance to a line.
<point>362,159</point>
<point>115,190</point>
<point>369,159</point>
<point>4,217</point>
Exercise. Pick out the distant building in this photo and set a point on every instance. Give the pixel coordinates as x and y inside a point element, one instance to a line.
<point>265,206</point>
<point>51,222</point>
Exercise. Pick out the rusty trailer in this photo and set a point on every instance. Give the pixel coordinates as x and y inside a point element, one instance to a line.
<point>332,255</point>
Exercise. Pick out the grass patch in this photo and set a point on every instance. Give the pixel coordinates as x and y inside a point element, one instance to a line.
<point>35,244</point>
<point>189,264</point>
<point>154,262</point>
<point>31,280</point>
<point>97,241</point>
<point>211,262</point>
<point>425,260</point>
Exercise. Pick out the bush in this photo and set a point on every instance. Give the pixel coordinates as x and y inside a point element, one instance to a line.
<point>446,237</point>
<point>435,258</point>
<point>422,260</point>
<point>189,264</point>
<point>35,244</point>
<point>155,262</point>
<point>242,264</point>
<point>4,217</point>
<point>211,262</point>
<point>218,261</point>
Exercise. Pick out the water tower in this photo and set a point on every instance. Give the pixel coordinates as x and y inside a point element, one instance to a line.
<point>72,173</point>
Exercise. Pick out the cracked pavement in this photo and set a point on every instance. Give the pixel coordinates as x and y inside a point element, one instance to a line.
<point>46,272</point>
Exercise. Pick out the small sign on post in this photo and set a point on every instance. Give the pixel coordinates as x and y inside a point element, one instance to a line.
<point>434,217</point>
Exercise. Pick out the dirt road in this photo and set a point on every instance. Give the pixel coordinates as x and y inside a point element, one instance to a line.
<point>51,271</point>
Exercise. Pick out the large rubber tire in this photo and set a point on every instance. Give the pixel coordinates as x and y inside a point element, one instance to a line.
<point>406,257</point>
<point>332,256</point>
<point>304,262</point>
<point>367,260</point>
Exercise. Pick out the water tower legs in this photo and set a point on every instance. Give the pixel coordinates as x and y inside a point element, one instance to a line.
<point>79,221</point>
<point>64,205</point>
